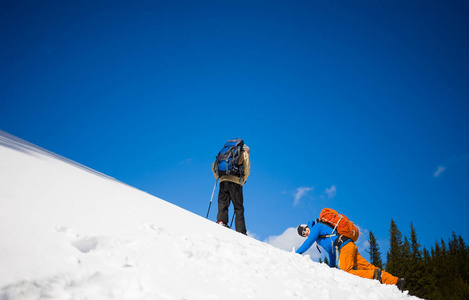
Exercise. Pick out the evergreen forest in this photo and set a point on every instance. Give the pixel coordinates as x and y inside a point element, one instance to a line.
<point>439,273</point>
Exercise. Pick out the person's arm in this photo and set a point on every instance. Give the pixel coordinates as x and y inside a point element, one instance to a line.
<point>246,166</point>
<point>312,237</point>
<point>214,171</point>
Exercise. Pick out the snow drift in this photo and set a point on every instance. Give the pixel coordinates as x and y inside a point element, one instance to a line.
<point>68,232</point>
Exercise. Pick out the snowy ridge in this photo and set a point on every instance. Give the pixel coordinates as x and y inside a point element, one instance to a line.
<point>11,141</point>
<point>70,233</point>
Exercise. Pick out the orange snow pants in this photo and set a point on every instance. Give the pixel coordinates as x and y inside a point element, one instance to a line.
<point>351,261</point>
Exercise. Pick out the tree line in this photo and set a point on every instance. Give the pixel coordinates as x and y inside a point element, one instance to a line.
<point>441,273</point>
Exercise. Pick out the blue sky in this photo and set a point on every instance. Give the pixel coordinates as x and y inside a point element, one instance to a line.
<point>356,105</point>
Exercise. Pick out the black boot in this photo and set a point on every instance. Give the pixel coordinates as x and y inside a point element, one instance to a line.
<point>400,284</point>
<point>377,275</point>
<point>223,224</point>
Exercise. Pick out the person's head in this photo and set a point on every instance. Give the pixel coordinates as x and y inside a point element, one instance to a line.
<point>303,230</point>
<point>246,148</point>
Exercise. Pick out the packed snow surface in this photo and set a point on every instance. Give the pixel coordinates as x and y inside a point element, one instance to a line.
<point>68,232</point>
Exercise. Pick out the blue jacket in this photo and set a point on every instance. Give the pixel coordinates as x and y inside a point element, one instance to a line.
<point>318,230</point>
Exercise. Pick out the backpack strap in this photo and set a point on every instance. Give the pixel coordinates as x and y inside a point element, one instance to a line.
<point>328,225</point>
<point>325,236</point>
<point>325,223</point>
<point>339,242</point>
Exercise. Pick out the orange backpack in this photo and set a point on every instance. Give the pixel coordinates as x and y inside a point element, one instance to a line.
<point>340,223</point>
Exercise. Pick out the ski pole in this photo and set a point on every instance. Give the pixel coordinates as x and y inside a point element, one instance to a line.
<point>213,192</point>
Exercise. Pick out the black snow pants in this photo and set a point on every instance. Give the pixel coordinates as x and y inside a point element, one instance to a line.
<point>230,190</point>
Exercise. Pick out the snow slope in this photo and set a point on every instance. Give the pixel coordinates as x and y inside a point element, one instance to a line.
<point>68,232</point>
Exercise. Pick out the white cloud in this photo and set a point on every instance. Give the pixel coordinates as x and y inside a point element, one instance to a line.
<point>252,234</point>
<point>440,170</point>
<point>300,193</point>
<point>331,192</point>
<point>187,161</point>
<point>290,239</point>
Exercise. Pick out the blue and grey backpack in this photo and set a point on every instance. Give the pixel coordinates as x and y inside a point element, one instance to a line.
<point>227,160</point>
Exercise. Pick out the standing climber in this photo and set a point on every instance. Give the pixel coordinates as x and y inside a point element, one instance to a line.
<point>232,166</point>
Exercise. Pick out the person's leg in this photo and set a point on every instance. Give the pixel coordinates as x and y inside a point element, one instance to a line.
<point>385,276</point>
<point>349,261</point>
<point>236,193</point>
<point>223,202</point>
<point>388,278</point>
<point>363,264</point>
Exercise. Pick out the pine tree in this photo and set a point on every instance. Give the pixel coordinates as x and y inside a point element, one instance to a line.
<point>436,266</point>
<point>464,254</point>
<point>442,271</point>
<point>453,255</point>
<point>414,277</point>
<point>394,255</point>
<point>375,254</point>
<point>445,269</point>
<point>326,261</point>
<point>405,260</point>
<point>428,276</point>
<point>456,262</point>
<point>444,266</point>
